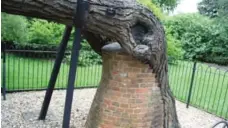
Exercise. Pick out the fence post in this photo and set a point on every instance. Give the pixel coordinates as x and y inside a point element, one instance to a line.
<point>191,84</point>
<point>4,72</point>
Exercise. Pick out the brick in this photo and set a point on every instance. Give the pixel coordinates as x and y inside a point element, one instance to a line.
<point>128,69</point>
<point>107,102</point>
<point>143,96</point>
<point>131,90</point>
<point>126,95</point>
<point>132,75</point>
<point>135,69</point>
<point>106,126</point>
<point>115,88</point>
<point>113,83</point>
<point>115,104</point>
<point>135,85</point>
<point>144,85</point>
<point>123,90</point>
<point>122,100</point>
<point>133,105</point>
<point>138,101</point>
<point>129,110</point>
<point>141,90</point>
<point>131,101</point>
<point>112,108</point>
<point>145,75</point>
<point>112,118</point>
<point>125,115</point>
<point>116,114</point>
<point>124,105</point>
<point>137,110</point>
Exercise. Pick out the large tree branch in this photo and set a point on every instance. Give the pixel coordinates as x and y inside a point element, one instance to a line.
<point>123,27</point>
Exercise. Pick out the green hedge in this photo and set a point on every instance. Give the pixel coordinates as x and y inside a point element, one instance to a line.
<point>201,38</point>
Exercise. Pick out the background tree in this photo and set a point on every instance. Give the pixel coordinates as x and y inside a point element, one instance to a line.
<point>166,5</point>
<point>208,8</point>
<point>202,39</point>
<point>213,8</point>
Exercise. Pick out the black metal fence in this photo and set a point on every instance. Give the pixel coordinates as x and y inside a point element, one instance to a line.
<point>197,84</point>
<point>31,69</point>
<point>201,85</point>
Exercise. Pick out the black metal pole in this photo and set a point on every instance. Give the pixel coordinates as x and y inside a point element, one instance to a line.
<point>4,73</point>
<point>191,84</point>
<point>55,72</point>
<point>71,78</point>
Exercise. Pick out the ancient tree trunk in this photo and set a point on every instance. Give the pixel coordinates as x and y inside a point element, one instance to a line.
<point>135,27</point>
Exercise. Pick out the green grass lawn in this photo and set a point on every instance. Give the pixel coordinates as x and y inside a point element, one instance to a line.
<point>210,87</point>
<point>30,73</point>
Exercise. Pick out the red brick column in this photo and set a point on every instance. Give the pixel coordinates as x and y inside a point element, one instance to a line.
<point>128,95</point>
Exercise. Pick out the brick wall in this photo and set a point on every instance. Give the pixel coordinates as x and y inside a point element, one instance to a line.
<point>128,95</point>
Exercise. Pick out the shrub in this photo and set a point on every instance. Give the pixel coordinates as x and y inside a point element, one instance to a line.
<point>152,6</point>
<point>87,56</point>
<point>14,28</point>
<point>44,32</point>
<point>200,38</point>
<point>174,49</point>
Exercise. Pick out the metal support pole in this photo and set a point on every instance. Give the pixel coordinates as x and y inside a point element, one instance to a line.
<point>55,72</point>
<point>71,78</point>
<point>4,73</point>
<point>191,84</point>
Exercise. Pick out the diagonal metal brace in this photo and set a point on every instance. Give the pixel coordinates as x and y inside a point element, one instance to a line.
<point>79,21</point>
<point>71,78</point>
<point>54,74</point>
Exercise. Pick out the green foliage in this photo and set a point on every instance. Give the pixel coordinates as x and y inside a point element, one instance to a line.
<point>153,7</point>
<point>159,6</point>
<point>213,8</point>
<point>166,5</point>
<point>44,32</point>
<point>174,49</point>
<point>208,8</point>
<point>87,56</point>
<point>201,38</point>
<point>217,10</point>
<point>14,28</point>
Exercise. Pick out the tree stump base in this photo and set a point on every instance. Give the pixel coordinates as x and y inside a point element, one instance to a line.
<point>128,95</point>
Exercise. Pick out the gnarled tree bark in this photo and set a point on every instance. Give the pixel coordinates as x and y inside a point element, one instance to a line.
<point>135,27</point>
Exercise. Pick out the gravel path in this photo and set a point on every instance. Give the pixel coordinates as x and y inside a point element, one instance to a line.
<point>21,110</point>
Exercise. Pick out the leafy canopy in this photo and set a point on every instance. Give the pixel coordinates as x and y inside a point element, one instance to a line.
<point>14,28</point>
<point>213,8</point>
<point>166,5</point>
<point>44,32</point>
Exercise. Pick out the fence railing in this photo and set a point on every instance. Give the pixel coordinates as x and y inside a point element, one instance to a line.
<point>31,70</point>
<point>203,86</point>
